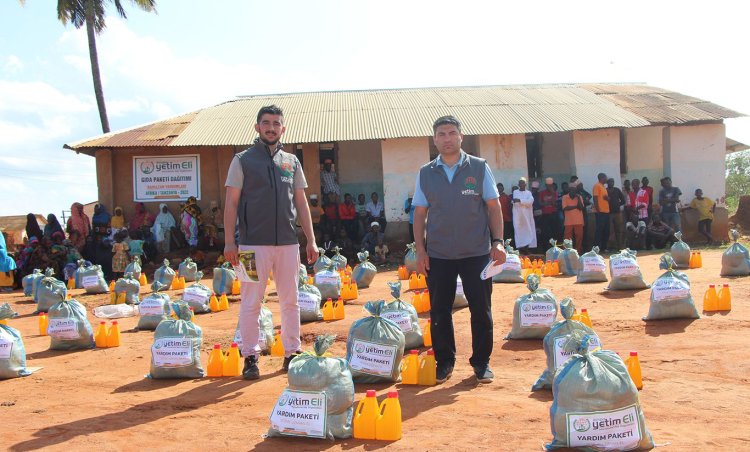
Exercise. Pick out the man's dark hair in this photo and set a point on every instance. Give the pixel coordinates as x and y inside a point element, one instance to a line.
<point>269,110</point>
<point>446,120</point>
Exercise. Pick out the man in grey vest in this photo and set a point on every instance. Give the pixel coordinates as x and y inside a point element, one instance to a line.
<point>265,191</point>
<point>459,192</point>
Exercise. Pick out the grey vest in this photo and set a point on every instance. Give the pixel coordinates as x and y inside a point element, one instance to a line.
<point>266,210</point>
<point>457,219</point>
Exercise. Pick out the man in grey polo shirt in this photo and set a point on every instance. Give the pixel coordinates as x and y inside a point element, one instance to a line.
<point>265,191</point>
<point>459,192</point>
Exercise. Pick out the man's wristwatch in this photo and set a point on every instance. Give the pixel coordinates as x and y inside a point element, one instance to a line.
<point>497,241</point>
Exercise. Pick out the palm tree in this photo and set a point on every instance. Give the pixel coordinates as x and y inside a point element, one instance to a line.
<point>92,13</point>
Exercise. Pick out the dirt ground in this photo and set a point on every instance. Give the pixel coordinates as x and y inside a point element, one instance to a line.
<point>695,396</point>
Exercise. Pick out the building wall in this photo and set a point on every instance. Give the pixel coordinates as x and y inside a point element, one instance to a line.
<point>360,167</point>
<point>644,151</point>
<point>556,150</point>
<point>696,160</point>
<point>594,152</point>
<point>506,156</point>
<point>402,158</point>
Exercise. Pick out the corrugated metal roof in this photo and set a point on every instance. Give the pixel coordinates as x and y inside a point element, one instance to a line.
<point>381,114</point>
<point>661,106</point>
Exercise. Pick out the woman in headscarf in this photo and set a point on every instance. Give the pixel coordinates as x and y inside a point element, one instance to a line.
<point>7,267</point>
<point>80,223</point>
<point>100,221</point>
<point>32,227</point>
<point>52,226</point>
<point>141,218</point>
<point>162,228</point>
<point>189,221</point>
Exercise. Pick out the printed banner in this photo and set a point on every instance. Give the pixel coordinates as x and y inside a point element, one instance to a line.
<point>162,178</point>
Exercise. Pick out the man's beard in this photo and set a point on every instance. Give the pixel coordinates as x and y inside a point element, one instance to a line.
<point>269,143</point>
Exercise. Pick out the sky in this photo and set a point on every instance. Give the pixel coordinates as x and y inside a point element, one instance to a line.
<point>193,54</point>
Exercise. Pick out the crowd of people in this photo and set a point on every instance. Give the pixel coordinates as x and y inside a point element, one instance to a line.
<point>348,225</point>
<point>112,240</point>
<point>634,216</point>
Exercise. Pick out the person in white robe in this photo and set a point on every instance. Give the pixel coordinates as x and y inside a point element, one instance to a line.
<point>523,216</point>
<point>162,228</point>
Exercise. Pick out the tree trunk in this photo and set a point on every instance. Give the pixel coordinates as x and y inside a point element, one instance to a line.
<point>98,91</point>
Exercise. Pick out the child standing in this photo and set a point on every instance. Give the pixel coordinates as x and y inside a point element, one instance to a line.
<point>136,245</point>
<point>120,259</point>
<point>706,208</point>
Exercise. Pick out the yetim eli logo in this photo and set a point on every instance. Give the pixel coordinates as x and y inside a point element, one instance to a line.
<point>359,348</point>
<point>471,184</point>
<point>581,424</point>
<point>147,167</point>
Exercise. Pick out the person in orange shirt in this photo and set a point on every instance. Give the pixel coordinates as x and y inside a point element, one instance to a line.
<point>572,205</point>
<point>348,216</point>
<point>601,210</point>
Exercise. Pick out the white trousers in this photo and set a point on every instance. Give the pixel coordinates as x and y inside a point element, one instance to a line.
<point>284,261</point>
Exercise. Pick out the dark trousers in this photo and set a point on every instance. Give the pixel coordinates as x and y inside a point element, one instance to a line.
<point>550,228</point>
<point>508,232</point>
<point>351,228</point>
<point>704,228</point>
<point>441,281</point>
<point>601,233</point>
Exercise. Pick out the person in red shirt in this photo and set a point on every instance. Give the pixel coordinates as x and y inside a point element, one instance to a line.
<point>506,204</point>
<point>331,209</point>
<point>650,190</point>
<point>549,219</point>
<point>348,216</point>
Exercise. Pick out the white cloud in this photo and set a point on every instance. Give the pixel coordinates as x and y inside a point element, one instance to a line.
<point>13,65</point>
<point>38,98</point>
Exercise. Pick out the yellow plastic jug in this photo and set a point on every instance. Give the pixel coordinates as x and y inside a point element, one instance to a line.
<point>113,335</point>
<point>427,334</point>
<point>413,281</point>
<point>365,416</point>
<point>100,337</point>
<point>223,302</point>
<point>634,369</point>
<point>427,369</point>
<point>43,323</point>
<point>232,363</point>
<point>215,367</point>
<point>143,281</point>
<point>584,318</point>
<point>236,287</point>
<point>410,368</point>
<point>213,303</point>
<point>328,310</point>
<point>338,310</point>
<point>388,423</point>
<point>416,301</point>
<point>711,299</point>
<point>725,299</point>
<point>277,349</point>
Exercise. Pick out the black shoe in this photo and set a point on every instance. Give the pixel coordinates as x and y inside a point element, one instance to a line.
<point>484,374</point>
<point>251,371</point>
<point>443,373</point>
<point>289,359</point>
